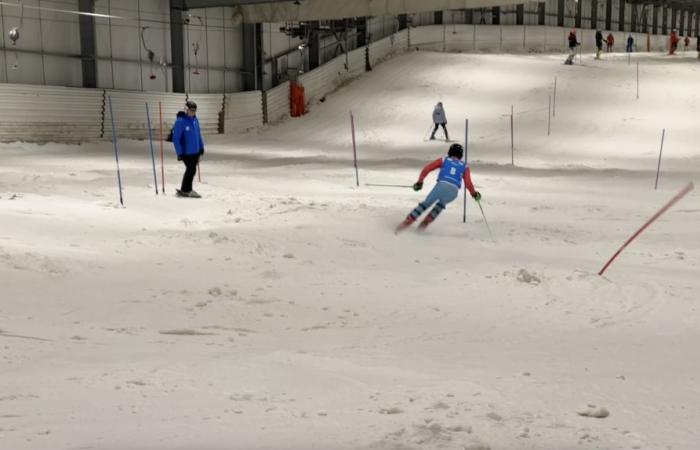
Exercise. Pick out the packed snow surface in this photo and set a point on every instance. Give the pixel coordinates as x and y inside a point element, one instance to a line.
<point>281,312</point>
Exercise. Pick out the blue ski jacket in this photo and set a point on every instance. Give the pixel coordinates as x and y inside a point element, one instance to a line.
<point>187,136</point>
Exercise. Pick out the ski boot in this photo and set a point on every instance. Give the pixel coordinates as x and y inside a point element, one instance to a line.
<point>405,224</point>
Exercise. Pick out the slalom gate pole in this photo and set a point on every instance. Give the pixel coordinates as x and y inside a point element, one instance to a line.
<point>689,187</point>
<point>354,149</point>
<point>554,102</point>
<point>485,221</point>
<point>466,148</point>
<point>658,167</point>
<point>389,185</point>
<point>150,141</point>
<point>116,151</point>
<point>512,142</point>
<point>549,117</point>
<point>162,158</point>
<point>199,173</point>
<point>637,80</point>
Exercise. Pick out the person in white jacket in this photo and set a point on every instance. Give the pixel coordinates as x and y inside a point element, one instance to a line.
<point>439,119</point>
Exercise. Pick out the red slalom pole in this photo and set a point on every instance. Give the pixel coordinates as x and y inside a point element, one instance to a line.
<point>162,166</point>
<point>689,187</point>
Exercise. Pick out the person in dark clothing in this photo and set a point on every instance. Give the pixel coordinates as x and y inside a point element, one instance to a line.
<point>630,44</point>
<point>573,43</point>
<point>189,146</point>
<point>697,46</point>
<point>598,43</point>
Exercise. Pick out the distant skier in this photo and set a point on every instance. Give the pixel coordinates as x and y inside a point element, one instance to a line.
<point>189,146</point>
<point>610,42</point>
<point>630,44</point>
<point>452,172</point>
<point>439,119</point>
<point>598,43</point>
<point>673,41</point>
<point>573,43</point>
<point>686,41</point>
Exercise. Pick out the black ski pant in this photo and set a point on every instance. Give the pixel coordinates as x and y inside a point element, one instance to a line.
<point>444,127</point>
<point>190,162</point>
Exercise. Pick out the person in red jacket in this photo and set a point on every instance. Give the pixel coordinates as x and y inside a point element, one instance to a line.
<point>453,171</point>
<point>673,43</point>
<point>610,41</point>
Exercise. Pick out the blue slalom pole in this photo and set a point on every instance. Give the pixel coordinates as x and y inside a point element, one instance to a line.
<point>116,150</point>
<point>150,140</point>
<point>466,146</point>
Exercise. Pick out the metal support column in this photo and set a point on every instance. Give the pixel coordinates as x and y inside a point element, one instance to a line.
<point>561,6</point>
<point>579,14</point>
<point>314,46</point>
<point>87,43</point>
<point>520,14</point>
<point>608,14</point>
<point>438,18</point>
<point>496,15</point>
<point>177,45</point>
<point>621,25</point>
<point>594,14</point>
<point>252,57</point>
<point>664,19</point>
<point>541,13</point>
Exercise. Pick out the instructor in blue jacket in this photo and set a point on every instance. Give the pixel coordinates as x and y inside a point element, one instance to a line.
<point>189,146</point>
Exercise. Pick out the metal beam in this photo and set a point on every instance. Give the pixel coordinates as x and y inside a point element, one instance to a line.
<point>87,43</point>
<point>541,13</point>
<point>496,15</point>
<point>438,18</point>
<point>177,45</point>
<point>634,18</point>
<point>608,14</point>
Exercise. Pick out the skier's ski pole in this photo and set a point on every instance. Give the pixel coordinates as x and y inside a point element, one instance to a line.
<point>689,187</point>
<point>485,221</point>
<point>150,141</point>
<point>199,173</point>
<point>116,151</point>
<point>389,185</point>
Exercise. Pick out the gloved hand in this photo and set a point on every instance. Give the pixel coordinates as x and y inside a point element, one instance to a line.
<point>201,151</point>
<point>418,186</point>
<point>179,157</point>
<point>476,196</point>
